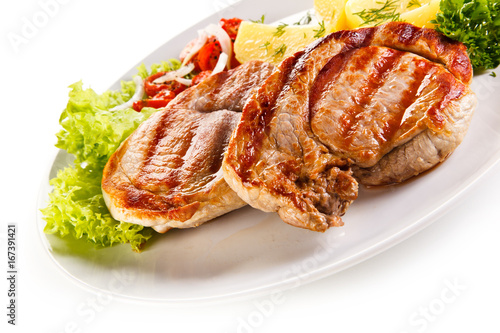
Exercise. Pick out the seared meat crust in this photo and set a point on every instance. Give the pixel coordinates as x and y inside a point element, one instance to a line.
<point>167,174</point>
<point>386,102</point>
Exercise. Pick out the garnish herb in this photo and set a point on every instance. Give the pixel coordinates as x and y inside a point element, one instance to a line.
<point>91,133</point>
<point>306,19</point>
<point>476,23</point>
<point>261,20</point>
<point>376,16</point>
<point>320,31</point>
<point>280,30</point>
<point>493,74</point>
<point>280,51</point>
<point>413,3</point>
<point>265,46</point>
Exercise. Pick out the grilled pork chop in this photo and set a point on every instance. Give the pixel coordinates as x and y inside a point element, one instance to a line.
<point>167,174</point>
<point>386,103</point>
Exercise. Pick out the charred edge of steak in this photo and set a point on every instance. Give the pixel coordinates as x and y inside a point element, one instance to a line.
<point>259,111</point>
<point>425,42</point>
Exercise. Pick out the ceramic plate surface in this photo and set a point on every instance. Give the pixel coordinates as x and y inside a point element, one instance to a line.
<point>248,252</point>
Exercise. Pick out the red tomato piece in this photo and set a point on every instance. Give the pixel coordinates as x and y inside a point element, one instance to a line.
<point>231,26</point>
<point>200,77</point>
<point>186,51</point>
<point>152,89</point>
<point>209,55</point>
<point>234,62</point>
<point>158,101</point>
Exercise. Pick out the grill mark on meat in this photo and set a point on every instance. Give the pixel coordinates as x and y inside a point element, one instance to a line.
<point>408,97</point>
<point>461,63</point>
<point>327,77</point>
<point>421,71</point>
<point>435,46</point>
<point>408,34</point>
<point>371,69</point>
<point>261,110</point>
<point>355,38</point>
<point>295,165</point>
<point>189,157</point>
<point>438,48</point>
<point>167,174</point>
<point>172,178</point>
<point>450,90</point>
<point>210,105</point>
<point>151,151</point>
<point>379,64</point>
<point>382,68</point>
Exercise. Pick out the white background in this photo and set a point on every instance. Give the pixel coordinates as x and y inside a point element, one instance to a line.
<point>449,270</point>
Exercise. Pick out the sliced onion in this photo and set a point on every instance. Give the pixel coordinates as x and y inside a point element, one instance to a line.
<point>200,41</point>
<point>221,63</point>
<point>139,92</point>
<point>173,75</point>
<point>186,82</point>
<point>224,40</point>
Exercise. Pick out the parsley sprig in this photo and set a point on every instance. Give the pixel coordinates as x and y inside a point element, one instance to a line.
<point>476,23</point>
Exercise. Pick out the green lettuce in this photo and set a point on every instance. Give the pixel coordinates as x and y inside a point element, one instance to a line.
<point>92,133</point>
<point>76,208</point>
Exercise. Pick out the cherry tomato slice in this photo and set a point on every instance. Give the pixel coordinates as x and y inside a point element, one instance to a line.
<point>152,89</point>
<point>200,77</point>
<point>231,26</point>
<point>209,55</point>
<point>186,51</point>
<point>158,101</point>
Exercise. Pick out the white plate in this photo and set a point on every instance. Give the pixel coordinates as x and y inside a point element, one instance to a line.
<point>248,252</point>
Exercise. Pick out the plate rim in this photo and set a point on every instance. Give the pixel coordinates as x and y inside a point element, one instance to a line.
<point>281,285</point>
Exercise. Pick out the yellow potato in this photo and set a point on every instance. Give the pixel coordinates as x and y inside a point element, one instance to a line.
<point>332,13</point>
<point>422,16</point>
<point>257,41</point>
<point>417,12</point>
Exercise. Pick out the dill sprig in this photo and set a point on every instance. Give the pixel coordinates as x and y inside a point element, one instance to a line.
<point>265,46</point>
<point>280,51</point>
<point>320,31</point>
<point>261,20</point>
<point>306,19</point>
<point>387,12</point>
<point>280,29</point>
<point>413,3</point>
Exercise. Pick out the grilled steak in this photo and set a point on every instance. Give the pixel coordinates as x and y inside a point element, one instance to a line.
<point>167,174</point>
<point>374,105</point>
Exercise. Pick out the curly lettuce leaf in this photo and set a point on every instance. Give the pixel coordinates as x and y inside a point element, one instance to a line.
<point>476,23</point>
<point>164,66</point>
<point>92,133</point>
<point>76,208</point>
